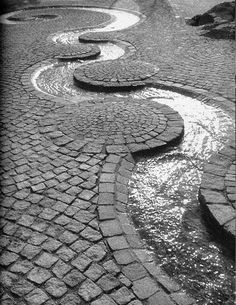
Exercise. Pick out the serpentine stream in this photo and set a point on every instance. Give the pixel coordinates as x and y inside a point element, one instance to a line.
<point>163,202</point>
<point>163,189</point>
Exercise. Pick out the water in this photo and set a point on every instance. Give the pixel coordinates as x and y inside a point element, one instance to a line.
<point>164,205</point>
<point>56,79</point>
<point>120,20</point>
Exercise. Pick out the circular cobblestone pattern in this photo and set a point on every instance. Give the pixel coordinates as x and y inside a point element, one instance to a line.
<point>70,52</point>
<point>114,75</point>
<point>139,125</point>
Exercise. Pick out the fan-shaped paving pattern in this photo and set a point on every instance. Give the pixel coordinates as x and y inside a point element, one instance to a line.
<point>114,75</point>
<point>117,122</point>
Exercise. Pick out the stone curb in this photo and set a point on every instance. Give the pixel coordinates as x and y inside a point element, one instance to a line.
<point>217,193</point>
<point>149,282</point>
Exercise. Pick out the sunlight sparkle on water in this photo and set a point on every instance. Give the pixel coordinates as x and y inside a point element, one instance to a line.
<point>163,200</point>
<point>57,79</point>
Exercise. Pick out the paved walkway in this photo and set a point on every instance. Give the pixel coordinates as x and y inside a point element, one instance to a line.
<point>65,168</point>
<point>190,8</point>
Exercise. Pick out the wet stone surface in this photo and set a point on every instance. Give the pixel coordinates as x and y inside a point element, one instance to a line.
<point>110,75</point>
<point>163,200</point>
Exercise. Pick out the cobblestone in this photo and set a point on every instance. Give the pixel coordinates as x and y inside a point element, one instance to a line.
<point>46,260</point>
<point>160,298</point>
<point>65,167</point>
<point>55,287</point>
<point>89,290</point>
<point>122,296</point>
<point>36,297</point>
<point>144,288</point>
<point>71,299</point>
<point>39,275</point>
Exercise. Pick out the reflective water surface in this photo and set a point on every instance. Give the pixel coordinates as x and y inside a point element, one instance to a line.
<point>57,78</point>
<point>163,202</point>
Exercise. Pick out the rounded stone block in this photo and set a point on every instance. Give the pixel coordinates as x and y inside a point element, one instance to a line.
<point>119,124</point>
<point>75,52</point>
<point>114,75</point>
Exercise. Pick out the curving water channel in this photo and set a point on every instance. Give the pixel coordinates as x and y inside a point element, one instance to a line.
<point>163,202</point>
<point>164,188</point>
<point>120,20</point>
<point>56,78</point>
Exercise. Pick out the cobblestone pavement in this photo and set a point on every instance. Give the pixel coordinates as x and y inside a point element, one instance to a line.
<point>66,237</point>
<point>181,54</point>
<point>190,8</point>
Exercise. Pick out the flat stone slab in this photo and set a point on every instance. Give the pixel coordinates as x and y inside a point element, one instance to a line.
<point>119,124</point>
<point>114,75</point>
